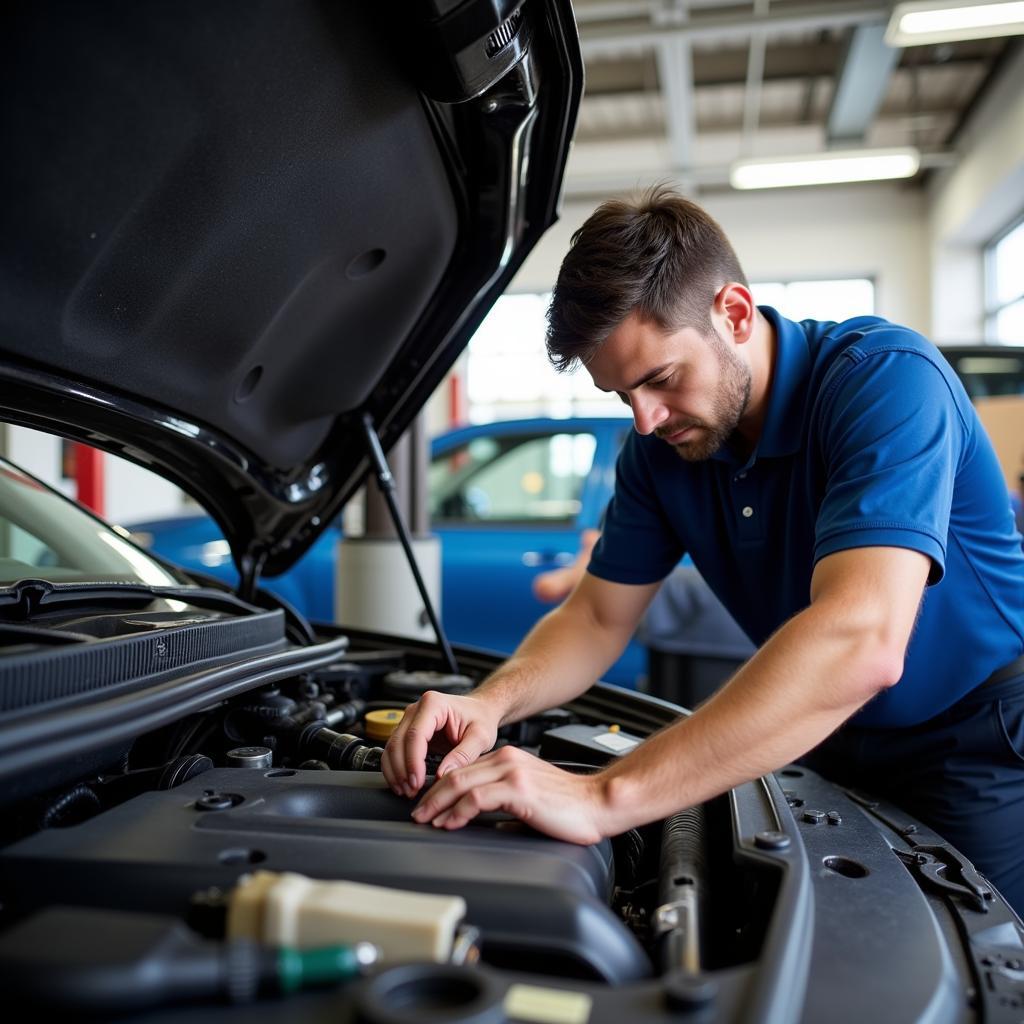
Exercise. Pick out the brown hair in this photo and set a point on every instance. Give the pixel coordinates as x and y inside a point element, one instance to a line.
<point>659,255</point>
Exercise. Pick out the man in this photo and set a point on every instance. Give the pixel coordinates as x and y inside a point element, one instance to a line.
<point>834,487</point>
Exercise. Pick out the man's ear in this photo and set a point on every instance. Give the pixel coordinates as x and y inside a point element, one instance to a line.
<point>734,309</point>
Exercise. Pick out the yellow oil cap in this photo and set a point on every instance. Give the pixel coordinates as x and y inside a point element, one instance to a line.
<point>381,724</point>
<point>614,728</point>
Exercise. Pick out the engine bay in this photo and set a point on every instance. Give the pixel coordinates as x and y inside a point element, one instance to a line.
<point>124,863</point>
<point>287,777</point>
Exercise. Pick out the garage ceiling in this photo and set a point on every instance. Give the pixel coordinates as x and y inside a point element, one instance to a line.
<point>678,89</point>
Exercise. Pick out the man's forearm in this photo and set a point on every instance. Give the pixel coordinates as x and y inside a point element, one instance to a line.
<point>800,686</point>
<point>563,655</point>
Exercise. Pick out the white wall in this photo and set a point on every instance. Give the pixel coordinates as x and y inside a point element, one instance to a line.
<point>132,493</point>
<point>877,231</point>
<point>972,202</point>
<point>38,454</point>
<point>135,494</point>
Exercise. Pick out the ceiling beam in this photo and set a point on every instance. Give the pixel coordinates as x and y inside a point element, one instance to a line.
<point>716,176</point>
<point>675,72</point>
<point>730,25</point>
<point>755,79</point>
<point>675,76</point>
<point>862,84</point>
<point>794,61</point>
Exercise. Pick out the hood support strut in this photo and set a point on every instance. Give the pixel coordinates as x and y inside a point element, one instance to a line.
<point>386,483</point>
<point>249,569</point>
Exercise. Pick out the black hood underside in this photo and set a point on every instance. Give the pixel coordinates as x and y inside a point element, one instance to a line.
<point>234,230</point>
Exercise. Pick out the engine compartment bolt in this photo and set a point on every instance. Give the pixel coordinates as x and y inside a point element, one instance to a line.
<point>214,802</point>
<point>771,840</point>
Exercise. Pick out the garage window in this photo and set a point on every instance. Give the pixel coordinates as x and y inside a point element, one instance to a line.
<point>508,374</point>
<point>1004,313</point>
<point>832,299</point>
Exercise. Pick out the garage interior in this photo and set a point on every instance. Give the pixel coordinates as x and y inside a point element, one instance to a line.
<point>276,743</point>
<point>679,91</point>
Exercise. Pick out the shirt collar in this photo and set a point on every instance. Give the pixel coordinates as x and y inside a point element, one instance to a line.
<point>782,432</point>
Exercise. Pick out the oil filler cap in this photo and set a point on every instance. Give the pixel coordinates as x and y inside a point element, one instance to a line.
<point>381,724</point>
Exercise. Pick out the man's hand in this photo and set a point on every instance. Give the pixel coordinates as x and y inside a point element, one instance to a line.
<point>569,807</point>
<point>469,725</point>
<point>557,584</point>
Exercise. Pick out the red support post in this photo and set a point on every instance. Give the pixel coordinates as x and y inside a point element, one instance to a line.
<point>89,477</point>
<point>456,401</point>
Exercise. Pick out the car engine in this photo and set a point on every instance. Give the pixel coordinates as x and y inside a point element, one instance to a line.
<point>123,874</point>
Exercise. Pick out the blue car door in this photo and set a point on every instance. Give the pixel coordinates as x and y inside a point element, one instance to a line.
<point>506,501</point>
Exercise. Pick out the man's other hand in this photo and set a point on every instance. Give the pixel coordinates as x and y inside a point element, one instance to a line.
<point>570,807</point>
<point>557,584</point>
<point>467,725</point>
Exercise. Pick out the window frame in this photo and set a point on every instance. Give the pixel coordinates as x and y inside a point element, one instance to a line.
<point>992,306</point>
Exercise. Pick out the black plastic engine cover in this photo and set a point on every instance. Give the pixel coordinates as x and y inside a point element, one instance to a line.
<point>534,899</point>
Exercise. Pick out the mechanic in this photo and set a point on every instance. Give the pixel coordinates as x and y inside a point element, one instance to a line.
<point>834,487</point>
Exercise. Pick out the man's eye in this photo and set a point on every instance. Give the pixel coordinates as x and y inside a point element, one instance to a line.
<point>662,381</point>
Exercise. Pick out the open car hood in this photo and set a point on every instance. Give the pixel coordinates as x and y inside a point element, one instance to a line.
<point>234,233</point>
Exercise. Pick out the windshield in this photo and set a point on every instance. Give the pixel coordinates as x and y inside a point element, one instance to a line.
<point>45,536</point>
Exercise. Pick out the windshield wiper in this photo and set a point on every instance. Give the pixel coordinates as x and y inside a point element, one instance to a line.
<point>28,598</point>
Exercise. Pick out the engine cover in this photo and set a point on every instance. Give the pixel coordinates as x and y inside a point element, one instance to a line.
<point>535,900</point>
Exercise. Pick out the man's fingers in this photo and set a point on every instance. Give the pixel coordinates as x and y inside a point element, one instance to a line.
<point>393,762</point>
<point>474,743</point>
<point>494,796</point>
<point>409,740</point>
<point>446,792</point>
<point>435,715</point>
<point>430,717</point>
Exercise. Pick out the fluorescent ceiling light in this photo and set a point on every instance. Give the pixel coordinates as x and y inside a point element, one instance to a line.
<point>918,22</point>
<point>833,167</point>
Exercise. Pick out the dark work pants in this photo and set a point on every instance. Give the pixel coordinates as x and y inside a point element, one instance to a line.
<point>960,773</point>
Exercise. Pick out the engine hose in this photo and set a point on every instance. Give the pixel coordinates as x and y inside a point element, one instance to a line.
<point>681,890</point>
<point>345,714</point>
<point>63,805</point>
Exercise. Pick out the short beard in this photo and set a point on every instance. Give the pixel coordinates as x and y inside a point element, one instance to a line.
<point>731,399</point>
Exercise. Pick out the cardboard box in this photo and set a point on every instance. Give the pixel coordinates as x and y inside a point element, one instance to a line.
<point>1003,418</point>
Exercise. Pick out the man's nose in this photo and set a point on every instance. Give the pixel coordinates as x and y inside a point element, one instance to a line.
<point>648,413</point>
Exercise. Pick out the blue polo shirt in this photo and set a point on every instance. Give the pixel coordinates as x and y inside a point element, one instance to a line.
<point>869,440</point>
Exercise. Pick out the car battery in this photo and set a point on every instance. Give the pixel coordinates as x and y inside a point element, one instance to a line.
<point>586,744</point>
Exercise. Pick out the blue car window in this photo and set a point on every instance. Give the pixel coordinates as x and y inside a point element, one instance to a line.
<point>514,478</point>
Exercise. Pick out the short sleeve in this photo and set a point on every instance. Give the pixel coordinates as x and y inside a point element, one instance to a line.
<point>891,437</point>
<point>638,544</point>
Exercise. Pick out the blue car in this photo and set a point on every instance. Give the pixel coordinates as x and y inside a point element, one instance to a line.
<point>507,499</point>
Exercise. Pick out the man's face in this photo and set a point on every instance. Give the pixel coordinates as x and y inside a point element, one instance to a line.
<point>689,389</point>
